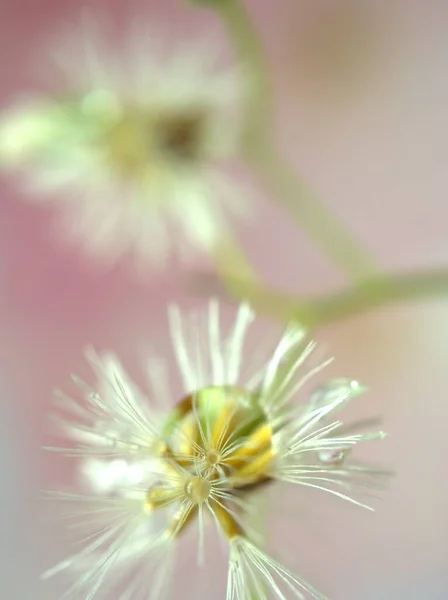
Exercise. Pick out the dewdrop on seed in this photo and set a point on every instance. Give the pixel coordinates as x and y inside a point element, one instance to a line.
<point>196,464</point>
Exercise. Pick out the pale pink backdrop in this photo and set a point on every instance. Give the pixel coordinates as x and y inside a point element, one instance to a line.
<point>362,95</point>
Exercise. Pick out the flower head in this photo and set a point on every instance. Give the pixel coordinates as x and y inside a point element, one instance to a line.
<point>137,150</point>
<point>153,474</point>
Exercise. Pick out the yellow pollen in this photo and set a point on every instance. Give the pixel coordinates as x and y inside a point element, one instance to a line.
<point>197,489</point>
<point>129,146</point>
<point>141,143</point>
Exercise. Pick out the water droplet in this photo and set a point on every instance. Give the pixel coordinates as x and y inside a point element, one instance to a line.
<point>333,457</point>
<point>336,391</point>
<point>197,489</point>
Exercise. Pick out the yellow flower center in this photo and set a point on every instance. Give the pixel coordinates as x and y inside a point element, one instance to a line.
<point>141,142</point>
<point>217,441</point>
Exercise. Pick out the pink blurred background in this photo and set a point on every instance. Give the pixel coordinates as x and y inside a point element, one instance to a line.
<point>361,104</point>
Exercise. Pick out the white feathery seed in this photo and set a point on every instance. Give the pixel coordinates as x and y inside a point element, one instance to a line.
<point>135,147</point>
<point>147,474</point>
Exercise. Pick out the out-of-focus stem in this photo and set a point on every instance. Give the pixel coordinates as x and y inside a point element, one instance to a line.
<point>333,238</point>
<point>372,293</point>
<point>249,50</point>
<point>234,267</point>
<point>376,292</point>
<point>336,241</point>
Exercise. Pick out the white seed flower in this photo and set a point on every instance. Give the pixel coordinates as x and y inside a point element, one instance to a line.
<point>138,151</point>
<point>148,474</point>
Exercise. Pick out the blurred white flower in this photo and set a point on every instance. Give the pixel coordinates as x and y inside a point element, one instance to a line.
<point>138,146</point>
<point>150,474</point>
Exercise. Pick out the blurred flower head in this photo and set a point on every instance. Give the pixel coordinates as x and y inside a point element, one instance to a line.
<point>150,473</point>
<point>136,146</point>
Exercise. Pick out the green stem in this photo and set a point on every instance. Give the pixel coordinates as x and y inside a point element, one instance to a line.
<point>250,53</point>
<point>260,150</point>
<point>377,292</point>
<point>233,266</point>
<point>370,294</point>
<point>336,241</point>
